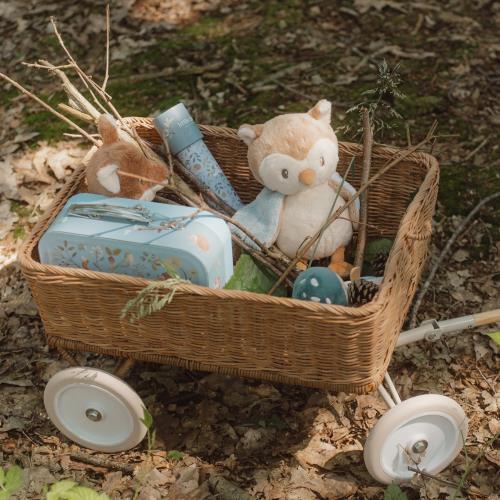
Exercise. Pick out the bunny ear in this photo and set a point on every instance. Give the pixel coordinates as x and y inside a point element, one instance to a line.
<point>248,133</point>
<point>107,129</point>
<point>108,178</point>
<point>322,111</point>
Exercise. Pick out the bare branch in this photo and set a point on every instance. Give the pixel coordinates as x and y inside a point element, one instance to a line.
<point>108,29</point>
<point>50,108</point>
<point>365,176</point>
<point>444,252</point>
<point>77,114</point>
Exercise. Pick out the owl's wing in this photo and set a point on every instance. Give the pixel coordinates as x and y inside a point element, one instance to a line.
<point>261,217</point>
<point>346,192</point>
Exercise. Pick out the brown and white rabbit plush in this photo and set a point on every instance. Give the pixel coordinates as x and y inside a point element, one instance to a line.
<point>116,154</point>
<point>295,157</point>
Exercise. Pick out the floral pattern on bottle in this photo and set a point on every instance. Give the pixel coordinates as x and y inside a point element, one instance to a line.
<point>198,159</point>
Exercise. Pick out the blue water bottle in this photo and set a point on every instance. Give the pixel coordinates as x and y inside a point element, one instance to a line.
<point>185,141</point>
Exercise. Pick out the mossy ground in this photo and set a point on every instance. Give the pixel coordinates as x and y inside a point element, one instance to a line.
<point>285,34</point>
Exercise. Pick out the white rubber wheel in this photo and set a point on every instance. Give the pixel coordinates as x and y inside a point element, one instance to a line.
<point>95,409</point>
<point>425,431</point>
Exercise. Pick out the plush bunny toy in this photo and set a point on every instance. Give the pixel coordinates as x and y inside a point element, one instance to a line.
<point>114,154</point>
<point>295,157</point>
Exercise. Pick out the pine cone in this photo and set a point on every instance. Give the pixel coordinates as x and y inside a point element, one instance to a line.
<point>378,263</point>
<point>361,292</point>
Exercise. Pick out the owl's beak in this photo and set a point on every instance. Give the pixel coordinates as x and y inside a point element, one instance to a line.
<point>307,176</point>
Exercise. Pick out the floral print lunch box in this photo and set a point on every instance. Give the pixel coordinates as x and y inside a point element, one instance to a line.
<point>139,238</point>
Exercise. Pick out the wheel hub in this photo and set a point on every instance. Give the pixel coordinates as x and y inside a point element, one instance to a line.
<point>420,446</point>
<point>93,414</point>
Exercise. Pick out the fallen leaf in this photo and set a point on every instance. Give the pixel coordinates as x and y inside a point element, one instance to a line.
<point>461,255</point>
<point>327,486</point>
<point>363,6</point>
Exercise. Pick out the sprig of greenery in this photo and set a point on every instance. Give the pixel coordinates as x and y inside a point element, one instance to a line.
<point>147,420</point>
<point>379,101</point>
<point>69,490</point>
<point>10,481</point>
<point>146,302</point>
<point>394,492</point>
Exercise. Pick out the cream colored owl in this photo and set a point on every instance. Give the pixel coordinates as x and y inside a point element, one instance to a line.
<point>295,157</point>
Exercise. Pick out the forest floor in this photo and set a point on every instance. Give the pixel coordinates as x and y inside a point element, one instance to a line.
<point>245,61</point>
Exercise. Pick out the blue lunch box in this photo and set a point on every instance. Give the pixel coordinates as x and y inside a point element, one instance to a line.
<point>139,238</point>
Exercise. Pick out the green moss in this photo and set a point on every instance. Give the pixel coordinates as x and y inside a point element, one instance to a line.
<point>49,127</point>
<point>418,105</point>
<point>48,41</point>
<point>205,27</point>
<point>19,232</point>
<point>132,99</point>
<point>7,96</point>
<point>20,209</point>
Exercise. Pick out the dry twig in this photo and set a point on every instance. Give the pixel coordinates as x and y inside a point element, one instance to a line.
<point>101,462</point>
<point>108,29</point>
<point>444,252</point>
<point>365,176</point>
<point>49,108</point>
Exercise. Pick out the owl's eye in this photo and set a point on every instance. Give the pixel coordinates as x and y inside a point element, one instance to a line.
<point>321,161</point>
<point>284,173</point>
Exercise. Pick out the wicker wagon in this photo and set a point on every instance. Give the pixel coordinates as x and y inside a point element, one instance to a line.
<point>233,332</point>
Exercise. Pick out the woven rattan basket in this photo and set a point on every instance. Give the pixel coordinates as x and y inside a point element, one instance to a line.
<point>241,333</point>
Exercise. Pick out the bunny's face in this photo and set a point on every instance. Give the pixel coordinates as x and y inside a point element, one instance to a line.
<point>293,152</point>
<point>116,156</point>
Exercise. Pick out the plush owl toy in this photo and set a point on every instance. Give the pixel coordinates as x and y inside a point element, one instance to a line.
<point>295,157</point>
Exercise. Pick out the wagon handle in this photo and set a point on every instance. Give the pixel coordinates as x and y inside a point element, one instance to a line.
<point>486,317</point>
<point>433,330</point>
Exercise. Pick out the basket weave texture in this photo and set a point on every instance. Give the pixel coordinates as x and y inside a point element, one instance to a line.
<point>241,333</point>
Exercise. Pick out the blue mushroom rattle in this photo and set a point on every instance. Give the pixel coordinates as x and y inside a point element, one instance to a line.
<point>320,284</point>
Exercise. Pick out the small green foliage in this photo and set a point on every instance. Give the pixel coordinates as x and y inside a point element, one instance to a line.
<point>20,209</point>
<point>60,488</point>
<point>394,492</point>
<point>19,233</point>
<point>10,481</point>
<point>495,336</point>
<point>380,100</point>
<point>175,455</point>
<point>147,420</point>
<point>147,302</point>
<point>69,490</point>
<point>248,275</point>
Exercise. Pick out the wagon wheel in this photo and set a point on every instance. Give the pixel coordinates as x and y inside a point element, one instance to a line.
<point>95,409</point>
<point>424,432</point>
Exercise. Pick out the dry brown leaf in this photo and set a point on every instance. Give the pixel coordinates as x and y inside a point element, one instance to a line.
<point>318,452</point>
<point>327,486</point>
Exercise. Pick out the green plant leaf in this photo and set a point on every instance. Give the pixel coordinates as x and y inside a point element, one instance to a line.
<point>394,492</point>
<point>495,336</point>
<point>252,277</point>
<point>59,488</point>
<point>175,455</point>
<point>13,479</point>
<point>83,493</point>
<point>2,477</point>
<point>147,419</point>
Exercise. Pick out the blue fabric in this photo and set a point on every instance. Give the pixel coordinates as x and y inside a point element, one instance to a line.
<point>337,178</point>
<point>261,217</point>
